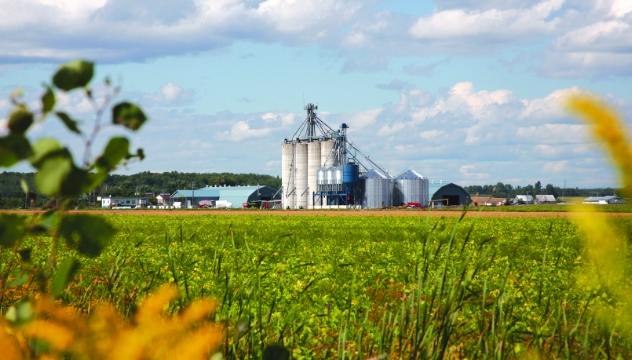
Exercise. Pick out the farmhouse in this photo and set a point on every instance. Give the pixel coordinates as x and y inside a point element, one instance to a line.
<point>545,199</point>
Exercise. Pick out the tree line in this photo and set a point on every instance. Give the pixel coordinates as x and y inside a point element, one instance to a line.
<point>13,196</point>
<point>509,191</point>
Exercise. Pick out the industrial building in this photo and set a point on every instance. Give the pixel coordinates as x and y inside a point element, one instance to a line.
<point>604,200</point>
<point>322,169</point>
<point>449,194</point>
<point>224,196</point>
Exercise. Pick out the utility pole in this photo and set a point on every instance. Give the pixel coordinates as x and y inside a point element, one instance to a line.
<point>192,193</point>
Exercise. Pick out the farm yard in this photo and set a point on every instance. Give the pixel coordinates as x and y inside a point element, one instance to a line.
<point>501,285</point>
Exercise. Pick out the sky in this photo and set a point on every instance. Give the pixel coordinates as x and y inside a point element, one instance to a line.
<point>465,91</point>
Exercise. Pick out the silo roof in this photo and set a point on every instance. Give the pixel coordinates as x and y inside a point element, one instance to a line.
<point>409,175</point>
<point>373,174</point>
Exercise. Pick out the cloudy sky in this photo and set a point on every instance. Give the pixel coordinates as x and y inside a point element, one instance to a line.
<point>459,90</point>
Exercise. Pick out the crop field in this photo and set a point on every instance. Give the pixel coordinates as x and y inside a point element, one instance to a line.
<point>361,287</point>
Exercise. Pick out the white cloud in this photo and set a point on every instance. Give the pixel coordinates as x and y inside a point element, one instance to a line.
<point>554,166</point>
<point>172,95</point>
<point>600,45</point>
<point>506,25</point>
<point>241,131</point>
<point>117,30</point>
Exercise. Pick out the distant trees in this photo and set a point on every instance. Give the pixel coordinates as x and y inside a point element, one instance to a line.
<point>508,191</point>
<point>12,196</point>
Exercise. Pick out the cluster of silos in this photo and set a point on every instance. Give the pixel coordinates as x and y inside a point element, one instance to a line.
<point>300,165</point>
<point>382,190</point>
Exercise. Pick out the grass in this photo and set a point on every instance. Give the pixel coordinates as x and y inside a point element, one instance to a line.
<point>360,287</point>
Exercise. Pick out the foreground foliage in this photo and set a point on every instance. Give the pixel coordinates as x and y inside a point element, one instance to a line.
<point>360,287</point>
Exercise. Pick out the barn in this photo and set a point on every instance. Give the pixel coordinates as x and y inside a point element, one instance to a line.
<point>449,195</point>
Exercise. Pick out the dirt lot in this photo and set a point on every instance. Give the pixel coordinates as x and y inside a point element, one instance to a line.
<point>398,212</point>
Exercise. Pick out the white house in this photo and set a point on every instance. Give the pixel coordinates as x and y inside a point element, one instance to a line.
<point>527,199</point>
<point>123,202</point>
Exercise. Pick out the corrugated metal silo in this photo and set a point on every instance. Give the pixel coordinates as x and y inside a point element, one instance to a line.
<point>301,175</point>
<point>325,150</point>
<point>338,171</point>
<point>376,190</point>
<point>321,179</point>
<point>313,164</point>
<point>330,178</point>
<point>287,175</point>
<point>411,187</point>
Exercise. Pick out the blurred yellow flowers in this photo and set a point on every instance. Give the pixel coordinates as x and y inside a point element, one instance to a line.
<point>605,272</point>
<point>105,335</point>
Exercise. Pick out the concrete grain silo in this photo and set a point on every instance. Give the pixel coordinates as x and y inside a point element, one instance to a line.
<point>287,176</point>
<point>302,192</point>
<point>313,165</point>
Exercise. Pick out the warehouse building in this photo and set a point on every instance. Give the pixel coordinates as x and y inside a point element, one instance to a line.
<point>448,194</point>
<point>604,200</point>
<point>228,196</point>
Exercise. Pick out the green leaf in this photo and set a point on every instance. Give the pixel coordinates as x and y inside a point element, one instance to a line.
<point>11,229</point>
<point>42,148</point>
<point>77,183</point>
<point>129,115</point>
<point>19,280</point>
<point>68,121</point>
<point>48,100</point>
<point>24,185</point>
<point>13,148</point>
<point>74,74</point>
<point>20,120</point>
<point>116,150</point>
<point>63,276</point>
<point>140,153</point>
<point>87,234</point>
<point>54,169</point>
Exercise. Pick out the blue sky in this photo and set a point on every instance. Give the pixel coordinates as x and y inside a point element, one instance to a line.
<point>459,90</point>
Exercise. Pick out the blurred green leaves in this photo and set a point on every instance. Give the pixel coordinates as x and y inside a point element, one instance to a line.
<point>48,100</point>
<point>59,177</point>
<point>20,120</point>
<point>13,149</point>
<point>11,229</point>
<point>87,234</point>
<point>73,75</point>
<point>68,121</point>
<point>115,151</point>
<point>129,115</point>
<point>63,276</point>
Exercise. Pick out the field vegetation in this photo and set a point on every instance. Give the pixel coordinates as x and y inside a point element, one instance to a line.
<point>358,287</point>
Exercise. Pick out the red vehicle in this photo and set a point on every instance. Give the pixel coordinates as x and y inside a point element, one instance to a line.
<point>414,205</point>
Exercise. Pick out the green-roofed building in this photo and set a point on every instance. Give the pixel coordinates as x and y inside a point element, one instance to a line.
<point>237,196</point>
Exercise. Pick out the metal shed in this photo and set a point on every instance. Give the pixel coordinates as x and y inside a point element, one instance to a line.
<point>450,194</point>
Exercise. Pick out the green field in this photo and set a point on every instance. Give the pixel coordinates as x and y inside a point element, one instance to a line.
<point>361,287</point>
